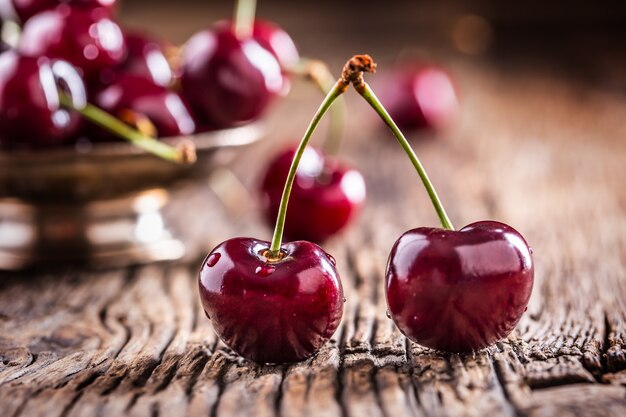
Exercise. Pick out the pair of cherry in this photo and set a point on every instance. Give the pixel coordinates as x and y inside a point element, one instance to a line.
<point>450,290</point>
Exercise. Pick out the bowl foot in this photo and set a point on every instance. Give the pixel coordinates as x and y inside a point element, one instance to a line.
<point>108,233</point>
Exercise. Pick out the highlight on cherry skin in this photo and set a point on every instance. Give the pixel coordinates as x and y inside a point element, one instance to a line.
<point>146,57</point>
<point>326,195</point>
<point>271,310</point>
<point>459,291</point>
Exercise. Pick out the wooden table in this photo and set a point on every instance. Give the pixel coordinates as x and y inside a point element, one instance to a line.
<point>545,155</point>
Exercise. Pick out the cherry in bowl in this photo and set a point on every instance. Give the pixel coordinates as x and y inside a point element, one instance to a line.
<point>271,311</point>
<point>136,99</point>
<point>326,195</point>
<point>228,80</point>
<point>459,291</point>
<point>146,57</point>
<point>31,114</point>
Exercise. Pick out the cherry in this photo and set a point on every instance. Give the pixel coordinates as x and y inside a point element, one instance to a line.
<point>459,291</point>
<point>30,106</point>
<point>25,9</point>
<point>271,311</point>
<point>420,96</point>
<point>326,194</point>
<point>228,80</point>
<point>146,57</point>
<point>133,97</point>
<point>85,36</point>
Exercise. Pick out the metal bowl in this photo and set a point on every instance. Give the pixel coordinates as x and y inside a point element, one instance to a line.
<point>100,207</point>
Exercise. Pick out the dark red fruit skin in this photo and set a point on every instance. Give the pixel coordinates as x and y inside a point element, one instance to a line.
<point>167,111</point>
<point>228,81</point>
<point>273,38</point>
<point>271,312</point>
<point>459,291</point>
<point>25,9</point>
<point>420,96</point>
<point>30,113</point>
<point>146,58</point>
<point>85,37</point>
<point>325,197</point>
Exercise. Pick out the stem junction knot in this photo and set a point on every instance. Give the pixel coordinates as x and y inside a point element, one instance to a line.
<point>353,70</point>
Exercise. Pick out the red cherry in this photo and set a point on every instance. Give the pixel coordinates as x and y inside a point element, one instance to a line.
<point>86,37</point>
<point>325,197</point>
<point>136,95</point>
<point>271,312</point>
<point>420,96</point>
<point>25,9</point>
<point>459,291</point>
<point>227,80</point>
<point>30,110</point>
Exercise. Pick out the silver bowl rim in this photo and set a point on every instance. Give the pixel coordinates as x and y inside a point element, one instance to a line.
<point>206,141</point>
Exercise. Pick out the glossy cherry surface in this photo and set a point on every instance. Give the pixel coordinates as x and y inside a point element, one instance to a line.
<point>25,9</point>
<point>459,291</point>
<point>30,111</point>
<point>420,96</point>
<point>137,96</point>
<point>86,37</point>
<point>325,197</point>
<point>146,57</point>
<point>227,80</point>
<point>267,312</point>
<point>273,38</point>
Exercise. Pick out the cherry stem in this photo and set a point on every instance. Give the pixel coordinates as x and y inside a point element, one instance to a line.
<point>353,72</point>
<point>243,19</point>
<point>318,72</point>
<point>184,153</point>
<point>338,89</point>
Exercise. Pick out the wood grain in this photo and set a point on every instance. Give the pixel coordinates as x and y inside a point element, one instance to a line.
<point>545,156</point>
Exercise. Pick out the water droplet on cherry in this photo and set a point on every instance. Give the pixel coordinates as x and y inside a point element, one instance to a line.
<point>265,270</point>
<point>388,313</point>
<point>331,259</point>
<point>530,250</point>
<point>345,299</point>
<point>213,258</point>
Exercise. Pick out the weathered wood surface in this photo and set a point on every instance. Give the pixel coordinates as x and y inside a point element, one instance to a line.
<point>540,154</point>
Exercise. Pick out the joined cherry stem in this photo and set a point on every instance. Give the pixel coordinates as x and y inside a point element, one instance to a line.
<point>184,153</point>
<point>318,72</point>
<point>243,19</point>
<point>338,89</point>
<point>353,72</point>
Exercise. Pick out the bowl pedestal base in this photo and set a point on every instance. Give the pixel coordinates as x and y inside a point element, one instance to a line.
<point>107,233</point>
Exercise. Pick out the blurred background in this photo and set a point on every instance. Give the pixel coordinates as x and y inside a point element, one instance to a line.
<point>584,40</point>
